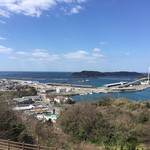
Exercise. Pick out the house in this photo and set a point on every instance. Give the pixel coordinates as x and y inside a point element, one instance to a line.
<point>50,99</point>
<point>52,117</point>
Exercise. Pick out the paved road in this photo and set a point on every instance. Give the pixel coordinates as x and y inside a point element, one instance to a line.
<point>48,105</point>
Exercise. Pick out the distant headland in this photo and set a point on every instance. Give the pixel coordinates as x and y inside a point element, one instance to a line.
<point>102,74</point>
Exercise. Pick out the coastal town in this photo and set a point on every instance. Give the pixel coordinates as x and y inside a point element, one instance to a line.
<point>74,75</point>
<point>49,98</point>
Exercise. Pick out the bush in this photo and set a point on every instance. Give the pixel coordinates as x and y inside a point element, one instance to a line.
<point>11,126</point>
<point>26,138</point>
<point>105,97</point>
<point>131,141</point>
<point>84,122</point>
<point>147,104</point>
<point>143,118</point>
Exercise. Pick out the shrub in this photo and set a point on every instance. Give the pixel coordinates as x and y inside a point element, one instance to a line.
<point>105,97</point>
<point>84,122</point>
<point>131,142</point>
<point>147,104</point>
<point>11,125</point>
<point>143,118</point>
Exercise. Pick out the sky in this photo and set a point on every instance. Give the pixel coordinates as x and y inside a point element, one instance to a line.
<point>75,35</point>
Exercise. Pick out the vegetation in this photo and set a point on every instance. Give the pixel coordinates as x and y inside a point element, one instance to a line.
<point>90,126</point>
<point>11,125</point>
<point>110,122</point>
<point>99,74</point>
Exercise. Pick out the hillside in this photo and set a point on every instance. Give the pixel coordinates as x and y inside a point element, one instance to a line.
<point>83,126</point>
<point>110,122</point>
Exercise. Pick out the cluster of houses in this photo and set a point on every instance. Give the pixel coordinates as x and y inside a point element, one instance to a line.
<point>7,85</point>
<point>27,105</point>
<point>36,106</point>
<point>60,100</point>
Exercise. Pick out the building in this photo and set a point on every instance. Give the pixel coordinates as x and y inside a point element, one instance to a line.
<point>24,108</point>
<point>60,99</point>
<point>21,101</point>
<point>145,83</point>
<point>50,99</point>
<point>115,84</point>
<point>52,117</point>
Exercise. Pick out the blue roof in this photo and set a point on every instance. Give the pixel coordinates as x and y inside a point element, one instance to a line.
<point>53,116</point>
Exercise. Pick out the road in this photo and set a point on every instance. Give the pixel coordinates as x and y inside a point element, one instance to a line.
<point>48,105</point>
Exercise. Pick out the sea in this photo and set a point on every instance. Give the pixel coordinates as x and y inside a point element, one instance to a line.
<point>66,77</point>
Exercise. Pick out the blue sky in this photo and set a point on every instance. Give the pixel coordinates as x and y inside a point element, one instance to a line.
<point>74,35</point>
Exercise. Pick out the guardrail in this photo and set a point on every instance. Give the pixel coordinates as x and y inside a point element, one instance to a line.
<point>11,145</point>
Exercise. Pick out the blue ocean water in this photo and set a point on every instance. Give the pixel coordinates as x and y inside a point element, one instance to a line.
<point>66,77</point>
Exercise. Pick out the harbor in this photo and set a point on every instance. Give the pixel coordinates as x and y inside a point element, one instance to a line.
<point>51,97</point>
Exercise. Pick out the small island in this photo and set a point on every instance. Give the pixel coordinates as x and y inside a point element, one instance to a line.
<point>102,74</point>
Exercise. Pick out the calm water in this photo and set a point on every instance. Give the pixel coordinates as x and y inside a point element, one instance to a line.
<point>66,77</point>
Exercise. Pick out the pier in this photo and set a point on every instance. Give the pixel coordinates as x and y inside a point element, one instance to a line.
<point>70,85</point>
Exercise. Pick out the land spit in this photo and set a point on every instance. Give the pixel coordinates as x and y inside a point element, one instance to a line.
<point>83,90</point>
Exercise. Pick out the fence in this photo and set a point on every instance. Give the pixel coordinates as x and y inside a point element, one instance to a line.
<point>11,145</point>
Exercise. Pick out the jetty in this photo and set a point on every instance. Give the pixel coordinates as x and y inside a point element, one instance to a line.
<point>70,85</point>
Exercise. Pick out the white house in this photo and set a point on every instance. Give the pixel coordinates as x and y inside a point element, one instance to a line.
<point>60,99</point>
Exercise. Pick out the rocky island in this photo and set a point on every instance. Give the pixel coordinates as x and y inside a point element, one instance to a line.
<point>101,74</point>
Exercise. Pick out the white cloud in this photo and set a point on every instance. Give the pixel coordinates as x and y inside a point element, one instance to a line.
<point>40,54</point>
<point>39,50</point>
<point>34,7</point>
<point>22,53</point>
<point>12,57</point>
<point>76,9</point>
<point>127,54</point>
<point>82,55</point>
<point>36,59</point>
<point>103,43</point>
<point>97,55</point>
<point>4,49</point>
<point>44,55</point>
<point>96,50</point>
<point>78,54</point>
<point>2,38</point>
<point>64,9</point>
<point>81,1</point>
<point>4,13</point>
<point>3,22</point>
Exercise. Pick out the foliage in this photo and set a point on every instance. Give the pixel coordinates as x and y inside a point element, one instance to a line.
<point>143,118</point>
<point>105,97</point>
<point>10,124</point>
<point>147,104</point>
<point>84,122</point>
<point>24,137</point>
<point>110,122</point>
